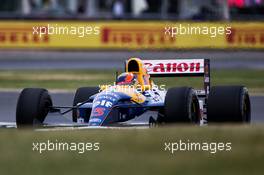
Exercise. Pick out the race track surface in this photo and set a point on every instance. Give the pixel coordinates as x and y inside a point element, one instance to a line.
<point>8,102</point>
<point>10,59</point>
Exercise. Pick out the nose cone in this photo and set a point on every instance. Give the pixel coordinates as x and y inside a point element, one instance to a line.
<point>102,107</point>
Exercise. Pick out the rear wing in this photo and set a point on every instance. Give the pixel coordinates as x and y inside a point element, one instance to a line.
<point>180,68</point>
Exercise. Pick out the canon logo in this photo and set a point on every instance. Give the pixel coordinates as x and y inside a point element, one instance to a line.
<point>173,67</point>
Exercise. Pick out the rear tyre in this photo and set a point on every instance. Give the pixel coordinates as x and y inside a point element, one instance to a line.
<point>82,94</point>
<point>229,104</point>
<point>181,106</point>
<point>32,107</point>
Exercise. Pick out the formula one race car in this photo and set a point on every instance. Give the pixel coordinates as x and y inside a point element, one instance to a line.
<point>134,94</point>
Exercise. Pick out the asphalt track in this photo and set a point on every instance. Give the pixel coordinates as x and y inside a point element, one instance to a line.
<point>8,102</point>
<point>12,60</point>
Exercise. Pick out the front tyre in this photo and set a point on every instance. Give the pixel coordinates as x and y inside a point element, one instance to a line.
<point>32,107</point>
<point>229,104</point>
<point>82,94</point>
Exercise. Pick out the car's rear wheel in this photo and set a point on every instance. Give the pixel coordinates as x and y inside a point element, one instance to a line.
<point>32,107</point>
<point>181,106</point>
<point>229,104</point>
<point>82,94</point>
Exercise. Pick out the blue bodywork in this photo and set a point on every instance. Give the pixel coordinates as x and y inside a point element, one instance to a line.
<point>109,108</point>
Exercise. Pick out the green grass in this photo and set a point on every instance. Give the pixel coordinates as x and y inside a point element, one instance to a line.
<point>72,79</point>
<point>134,151</point>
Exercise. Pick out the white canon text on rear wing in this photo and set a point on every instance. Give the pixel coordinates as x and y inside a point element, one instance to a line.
<point>180,68</point>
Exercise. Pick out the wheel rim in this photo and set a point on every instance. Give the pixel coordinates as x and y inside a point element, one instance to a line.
<point>194,111</point>
<point>246,109</point>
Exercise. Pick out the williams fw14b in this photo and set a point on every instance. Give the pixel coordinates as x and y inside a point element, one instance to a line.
<point>134,95</point>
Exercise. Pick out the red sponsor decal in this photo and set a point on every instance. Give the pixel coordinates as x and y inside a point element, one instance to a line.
<point>98,111</point>
<point>21,36</point>
<point>246,36</point>
<point>138,36</point>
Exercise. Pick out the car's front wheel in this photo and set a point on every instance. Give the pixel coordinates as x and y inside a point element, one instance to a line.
<point>82,94</point>
<point>32,107</point>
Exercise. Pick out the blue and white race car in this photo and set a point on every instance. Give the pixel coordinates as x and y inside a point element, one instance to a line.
<point>135,95</point>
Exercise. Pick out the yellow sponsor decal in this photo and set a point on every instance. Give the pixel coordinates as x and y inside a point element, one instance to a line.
<point>131,91</point>
<point>127,35</point>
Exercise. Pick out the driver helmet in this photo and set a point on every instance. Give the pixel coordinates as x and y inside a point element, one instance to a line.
<point>127,79</point>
